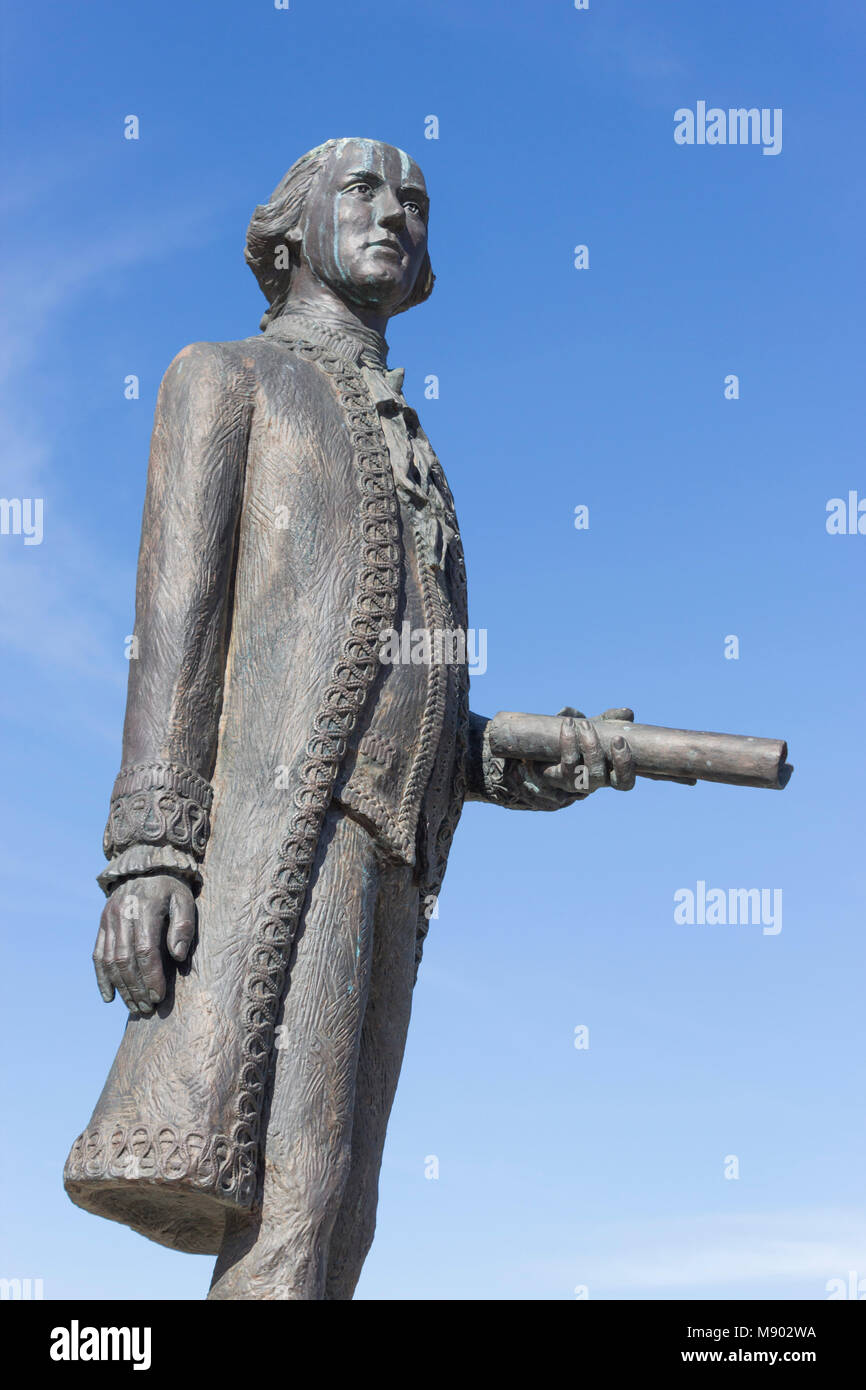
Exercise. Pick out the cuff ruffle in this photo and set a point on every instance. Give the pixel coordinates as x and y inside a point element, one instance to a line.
<point>149,859</point>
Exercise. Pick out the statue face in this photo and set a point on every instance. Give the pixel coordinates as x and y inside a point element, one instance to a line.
<point>364,229</point>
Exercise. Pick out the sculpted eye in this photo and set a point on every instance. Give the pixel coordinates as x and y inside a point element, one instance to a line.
<point>359,187</point>
<point>412,206</point>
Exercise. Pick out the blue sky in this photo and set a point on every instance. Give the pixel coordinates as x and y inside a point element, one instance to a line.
<point>558,1167</point>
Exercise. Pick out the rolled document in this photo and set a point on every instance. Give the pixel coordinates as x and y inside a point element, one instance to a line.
<point>667,755</point>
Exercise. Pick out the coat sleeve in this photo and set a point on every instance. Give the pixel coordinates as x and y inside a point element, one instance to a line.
<point>503,781</point>
<point>159,817</point>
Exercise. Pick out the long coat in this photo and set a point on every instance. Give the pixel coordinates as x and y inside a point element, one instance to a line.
<point>274,553</point>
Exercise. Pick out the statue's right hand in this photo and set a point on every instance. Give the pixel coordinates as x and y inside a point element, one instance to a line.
<point>127,956</point>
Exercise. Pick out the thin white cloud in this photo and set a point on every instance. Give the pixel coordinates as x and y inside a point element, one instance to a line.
<point>757,1253</point>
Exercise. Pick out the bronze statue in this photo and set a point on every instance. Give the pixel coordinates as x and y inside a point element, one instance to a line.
<point>287,798</point>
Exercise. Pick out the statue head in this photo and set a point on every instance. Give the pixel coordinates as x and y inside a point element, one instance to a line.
<point>353,214</point>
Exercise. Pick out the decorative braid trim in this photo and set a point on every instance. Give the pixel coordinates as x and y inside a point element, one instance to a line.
<point>352,678</point>
<point>158,1152</point>
<point>397,831</point>
<point>445,835</point>
<point>435,873</point>
<point>434,704</point>
<point>183,780</point>
<point>158,804</point>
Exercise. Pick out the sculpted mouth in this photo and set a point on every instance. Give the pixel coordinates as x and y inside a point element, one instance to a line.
<point>388,246</point>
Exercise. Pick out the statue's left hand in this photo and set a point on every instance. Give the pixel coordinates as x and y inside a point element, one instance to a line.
<point>583,766</point>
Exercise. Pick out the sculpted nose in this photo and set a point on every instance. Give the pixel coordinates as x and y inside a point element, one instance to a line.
<point>392,213</point>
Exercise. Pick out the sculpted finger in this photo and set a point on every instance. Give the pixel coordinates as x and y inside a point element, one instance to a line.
<point>566,785</point>
<point>623,714</point>
<point>622,776</point>
<point>181,922</point>
<point>572,782</point>
<point>551,797</point>
<point>112,924</point>
<point>106,988</point>
<point>147,940</point>
<point>593,755</point>
<point>570,712</point>
<point>125,974</point>
<point>545,787</point>
<point>118,983</point>
<point>551,779</point>
<point>562,774</point>
<point>569,747</point>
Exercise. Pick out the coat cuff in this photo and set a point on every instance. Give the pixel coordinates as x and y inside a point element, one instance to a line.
<point>149,859</point>
<point>160,805</point>
<point>496,780</point>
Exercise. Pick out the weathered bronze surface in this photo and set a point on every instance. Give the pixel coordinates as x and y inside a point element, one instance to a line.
<point>665,755</point>
<point>286,803</point>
